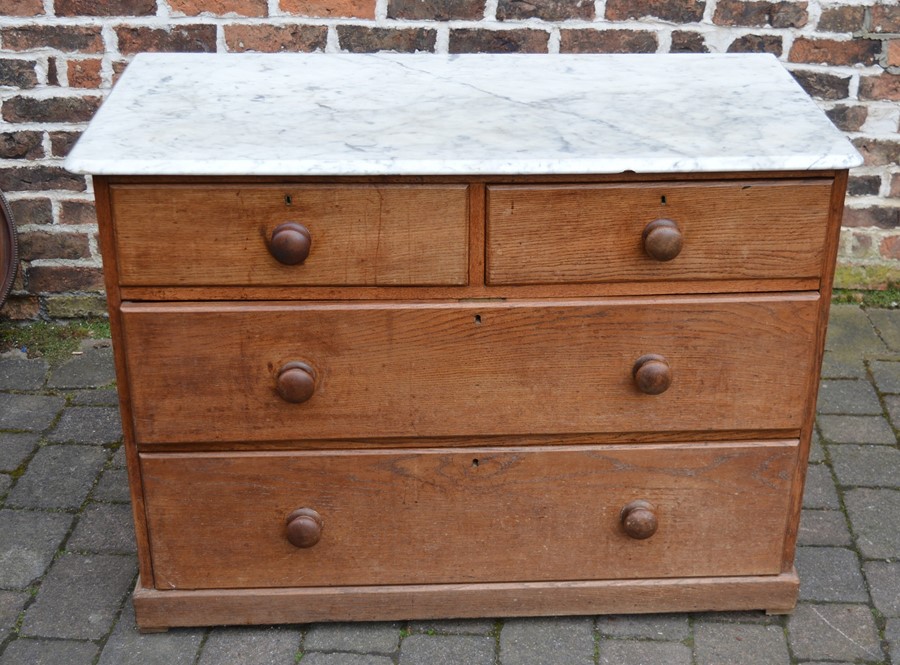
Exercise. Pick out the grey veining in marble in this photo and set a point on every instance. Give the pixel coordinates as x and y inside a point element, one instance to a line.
<point>332,114</point>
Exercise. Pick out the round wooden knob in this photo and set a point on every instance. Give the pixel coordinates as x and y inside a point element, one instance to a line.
<point>290,243</point>
<point>652,374</point>
<point>304,527</point>
<point>662,239</point>
<point>639,519</point>
<point>296,382</point>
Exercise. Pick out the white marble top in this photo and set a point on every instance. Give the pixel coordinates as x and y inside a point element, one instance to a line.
<point>337,114</point>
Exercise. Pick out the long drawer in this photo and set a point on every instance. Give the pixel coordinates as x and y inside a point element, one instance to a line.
<point>221,520</point>
<point>218,372</point>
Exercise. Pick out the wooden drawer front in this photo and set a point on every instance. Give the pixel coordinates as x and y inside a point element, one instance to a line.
<point>209,372</point>
<point>593,233</point>
<point>360,234</point>
<point>423,516</point>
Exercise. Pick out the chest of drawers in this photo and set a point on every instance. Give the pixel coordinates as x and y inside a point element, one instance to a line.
<point>416,337</point>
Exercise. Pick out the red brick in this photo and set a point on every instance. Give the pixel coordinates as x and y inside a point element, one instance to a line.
<point>77,212</point>
<point>105,7</point>
<point>330,8</point>
<point>220,7</point>
<point>890,248</point>
<point>878,152</point>
<point>52,72</point>
<point>833,52</point>
<point>884,87</point>
<point>761,14</point>
<point>893,53</point>
<point>478,40</point>
<point>118,68</point>
<point>85,73</point>
<point>49,109</point>
<point>863,185</point>
<point>275,38</point>
<point>44,245</point>
<point>756,44</point>
<point>885,18</point>
<point>842,19</point>
<point>895,186</point>
<point>38,178</point>
<point>20,308</point>
<point>31,211</point>
<point>178,38</point>
<point>684,41</point>
<point>677,11</point>
<point>21,145</point>
<point>57,279</point>
<point>69,38</point>
<point>848,118</point>
<point>21,8</point>
<point>884,218</point>
<point>607,41</point>
<point>61,142</point>
<point>366,39</point>
<point>436,10</point>
<point>18,73</point>
<point>547,10</point>
<point>822,85</point>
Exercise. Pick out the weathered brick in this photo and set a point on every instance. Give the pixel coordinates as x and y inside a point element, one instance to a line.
<point>20,308</point>
<point>21,145</point>
<point>890,248</point>
<point>822,85</point>
<point>893,53</point>
<point>895,185</point>
<point>607,41</point>
<point>882,87</point>
<point>677,11</point>
<point>52,72</point>
<point>31,211</point>
<point>548,10</point>
<point>76,306</point>
<point>756,44</point>
<point>275,38</point>
<point>685,41</point>
<point>36,178</point>
<point>478,40</point>
<point>61,142</point>
<point>863,185</point>
<point>84,73</point>
<point>118,67</point>
<point>50,109</point>
<point>761,14</point>
<point>69,38</point>
<point>330,8</point>
<point>77,212</point>
<point>105,8</point>
<point>56,279</point>
<point>43,245</point>
<point>21,8</point>
<point>834,52</point>
<point>436,10</point>
<point>180,38</point>
<point>17,73</point>
<point>848,118</point>
<point>220,7</point>
<point>885,18</point>
<point>842,19</point>
<point>366,39</point>
<point>878,152</point>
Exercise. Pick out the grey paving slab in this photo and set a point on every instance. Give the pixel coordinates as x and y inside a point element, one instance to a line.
<point>816,451</point>
<point>88,424</point>
<point>563,640</point>
<point>58,477</point>
<point>839,366</point>
<point>355,637</point>
<point>104,528</point>
<point>850,331</point>
<point>447,650</point>
<point>848,397</point>
<point>5,483</point>
<point>344,659</point>
<point>856,429</point>
<point>80,596</point>
<point>823,527</point>
<point>11,604</point>
<point>94,368</point>
<point>887,324</point>
<point>15,449</point>
<point>28,541</point>
<point>892,402</point>
<point>866,466</point>
<point>819,491</point>
<point>112,486</point>
<point>672,627</point>
<point>28,412</point>
<point>118,458</point>
<point>251,646</point>
<point>641,652</point>
<point>453,626</point>
<point>884,585</point>
<point>830,574</point>
<point>740,644</point>
<point>833,632</point>
<point>49,652</point>
<point>99,397</point>
<point>887,375</point>
<point>875,521</point>
<point>126,646</point>
<point>892,637</point>
<point>22,373</point>
<point>758,617</point>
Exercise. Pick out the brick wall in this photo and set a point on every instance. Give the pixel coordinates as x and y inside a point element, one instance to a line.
<point>58,59</point>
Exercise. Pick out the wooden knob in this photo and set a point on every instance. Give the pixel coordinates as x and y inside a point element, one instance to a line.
<point>304,527</point>
<point>639,519</point>
<point>662,239</point>
<point>296,382</point>
<point>652,374</point>
<point>290,243</point>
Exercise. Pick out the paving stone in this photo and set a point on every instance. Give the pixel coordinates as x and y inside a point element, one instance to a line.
<point>106,528</point>
<point>95,425</point>
<point>58,477</point>
<point>823,527</point>
<point>875,520</point>
<point>49,652</point>
<point>848,397</point>
<point>118,458</point>
<point>833,632</point>
<point>80,596</point>
<point>356,637</point>
<point>453,626</point>
<point>547,640</point>
<point>28,412</point>
<point>892,636</point>
<point>447,650</point>
<point>816,451</point>
<point>850,328</point>
<point>887,323</point>
<point>856,429</point>
<point>22,373</point>
<point>94,368</point>
<point>99,397</point>
<point>11,603</point>
<point>251,646</point>
<point>126,646</point>
<point>867,466</point>
<point>884,584</point>
<point>112,486</point>
<point>819,491</point>
<point>632,652</point>
<point>830,574</point>
<point>5,482</point>
<point>757,617</point>
<point>740,644</point>
<point>672,627</point>
<point>344,659</point>
<point>887,375</point>
<point>838,366</point>
<point>892,402</point>
<point>28,541</point>
<point>15,449</point>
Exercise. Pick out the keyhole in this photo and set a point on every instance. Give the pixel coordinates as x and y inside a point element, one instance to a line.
<point>478,321</point>
<point>662,200</point>
<point>475,462</point>
<point>288,200</point>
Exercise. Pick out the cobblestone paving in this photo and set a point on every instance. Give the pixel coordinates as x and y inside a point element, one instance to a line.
<point>67,562</point>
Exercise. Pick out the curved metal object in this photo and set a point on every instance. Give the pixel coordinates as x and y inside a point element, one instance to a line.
<point>9,250</point>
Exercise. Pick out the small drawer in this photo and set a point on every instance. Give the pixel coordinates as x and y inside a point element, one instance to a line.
<point>287,372</point>
<point>656,231</point>
<point>226,520</point>
<point>242,235</point>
